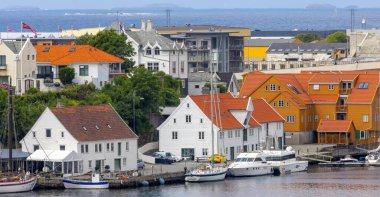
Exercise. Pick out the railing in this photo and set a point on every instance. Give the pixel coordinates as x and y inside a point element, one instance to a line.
<point>345,91</point>
<point>116,72</point>
<point>198,58</point>
<point>236,47</point>
<point>341,108</point>
<point>3,67</point>
<point>195,47</point>
<point>236,58</point>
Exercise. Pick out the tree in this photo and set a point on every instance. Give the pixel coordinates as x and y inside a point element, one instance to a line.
<point>308,37</point>
<point>66,75</point>
<point>111,42</point>
<point>337,37</point>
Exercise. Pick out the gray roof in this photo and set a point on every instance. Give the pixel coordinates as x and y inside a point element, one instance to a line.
<point>265,42</point>
<point>305,47</point>
<point>290,33</point>
<point>14,46</point>
<point>16,154</point>
<point>199,77</point>
<point>225,77</point>
<point>145,37</point>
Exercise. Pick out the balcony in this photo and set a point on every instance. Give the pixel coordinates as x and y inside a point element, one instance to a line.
<point>236,47</point>
<point>3,67</point>
<point>341,109</point>
<point>345,91</point>
<point>195,47</point>
<point>198,58</point>
<point>236,58</point>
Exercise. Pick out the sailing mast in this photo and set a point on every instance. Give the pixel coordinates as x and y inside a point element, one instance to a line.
<point>212,115</point>
<point>10,126</point>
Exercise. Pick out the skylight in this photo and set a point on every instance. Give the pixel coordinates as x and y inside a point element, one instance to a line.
<point>363,85</point>
<point>293,88</point>
<point>72,49</point>
<point>46,49</point>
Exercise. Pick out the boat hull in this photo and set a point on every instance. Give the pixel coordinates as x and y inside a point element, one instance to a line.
<point>19,186</point>
<point>285,168</point>
<point>250,171</point>
<point>206,177</point>
<point>72,184</point>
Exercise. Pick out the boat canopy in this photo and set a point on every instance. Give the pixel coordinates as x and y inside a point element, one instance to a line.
<point>54,156</point>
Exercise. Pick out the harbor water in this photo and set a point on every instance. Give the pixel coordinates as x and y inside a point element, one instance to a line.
<point>317,182</point>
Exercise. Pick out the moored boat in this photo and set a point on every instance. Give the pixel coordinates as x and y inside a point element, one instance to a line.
<point>206,174</point>
<point>95,183</point>
<point>250,164</point>
<point>15,185</point>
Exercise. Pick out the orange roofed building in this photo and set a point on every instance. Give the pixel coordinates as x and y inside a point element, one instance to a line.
<point>90,64</point>
<point>312,103</point>
<point>240,125</point>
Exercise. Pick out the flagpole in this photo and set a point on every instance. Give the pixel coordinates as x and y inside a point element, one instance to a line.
<point>21,58</point>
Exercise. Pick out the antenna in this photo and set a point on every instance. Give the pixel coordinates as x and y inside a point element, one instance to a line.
<point>168,12</point>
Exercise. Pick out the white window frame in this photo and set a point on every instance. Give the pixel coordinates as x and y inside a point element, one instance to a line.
<point>331,87</point>
<point>364,132</point>
<point>204,151</point>
<point>365,118</point>
<point>188,119</point>
<point>280,103</point>
<point>290,119</point>
<point>272,87</point>
<point>316,87</point>
<point>201,135</point>
<point>174,135</point>
<point>316,118</point>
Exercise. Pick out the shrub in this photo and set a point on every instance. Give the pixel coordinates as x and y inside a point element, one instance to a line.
<point>66,75</point>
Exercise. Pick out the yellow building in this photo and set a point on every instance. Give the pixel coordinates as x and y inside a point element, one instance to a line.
<point>235,31</point>
<point>306,99</point>
<point>256,49</point>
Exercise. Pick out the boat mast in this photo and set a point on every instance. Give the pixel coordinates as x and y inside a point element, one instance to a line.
<point>10,126</point>
<point>212,114</point>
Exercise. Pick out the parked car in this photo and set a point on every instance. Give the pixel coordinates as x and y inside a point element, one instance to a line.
<point>140,164</point>
<point>166,155</point>
<point>163,160</point>
<point>177,158</point>
<point>218,158</point>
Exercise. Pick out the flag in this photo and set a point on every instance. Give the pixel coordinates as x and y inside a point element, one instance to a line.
<point>9,29</point>
<point>26,26</point>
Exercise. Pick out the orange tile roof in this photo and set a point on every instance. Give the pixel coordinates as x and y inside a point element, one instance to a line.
<point>325,98</point>
<point>332,78</point>
<point>61,55</point>
<point>250,81</point>
<point>364,95</point>
<point>224,117</point>
<point>341,126</point>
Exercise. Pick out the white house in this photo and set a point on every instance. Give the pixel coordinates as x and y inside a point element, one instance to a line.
<point>90,64</point>
<point>158,53</point>
<point>240,124</point>
<point>18,61</point>
<point>97,135</point>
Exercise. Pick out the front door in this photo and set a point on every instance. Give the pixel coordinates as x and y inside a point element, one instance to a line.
<point>117,164</point>
<point>245,148</point>
<point>98,165</point>
<point>232,153</point>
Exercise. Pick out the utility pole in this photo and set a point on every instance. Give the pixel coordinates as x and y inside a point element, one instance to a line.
<point>10,125</point>
<point>168,12</point>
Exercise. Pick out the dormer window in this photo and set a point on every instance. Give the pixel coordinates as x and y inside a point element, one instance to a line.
<point>148,51</point>
<point>156,51</point>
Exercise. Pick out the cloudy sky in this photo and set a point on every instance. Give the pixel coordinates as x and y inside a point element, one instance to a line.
<point>101,4</point>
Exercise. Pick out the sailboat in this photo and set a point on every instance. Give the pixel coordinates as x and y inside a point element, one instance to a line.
<point>13,184</point>
<point>210,172</point>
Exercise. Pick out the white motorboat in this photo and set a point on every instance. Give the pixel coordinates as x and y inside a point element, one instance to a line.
<point>348,159</point>
<point>95,183</point>
<point>206,174</point>
<point>373,158</point>
<point>17,185</point>
<point>285,161</point>
<point>250,164</point>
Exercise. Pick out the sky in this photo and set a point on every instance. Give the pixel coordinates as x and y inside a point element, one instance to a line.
<point>105,4</point>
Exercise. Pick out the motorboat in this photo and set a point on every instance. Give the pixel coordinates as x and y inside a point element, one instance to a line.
<point>95,183</point>
<point>373,158</point>
<point>17,184</point>
<point>284,161</point>
<point>250,164</point>
<point>348,159</point>
<point>206,173</point>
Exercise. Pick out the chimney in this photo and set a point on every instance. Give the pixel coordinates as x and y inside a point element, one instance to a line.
<point>149,25</point>
<point>143,25</point>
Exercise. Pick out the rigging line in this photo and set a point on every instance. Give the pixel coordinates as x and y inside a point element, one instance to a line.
<point>42,149</point>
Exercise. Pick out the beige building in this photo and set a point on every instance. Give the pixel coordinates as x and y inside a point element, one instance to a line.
<point>18,61</point>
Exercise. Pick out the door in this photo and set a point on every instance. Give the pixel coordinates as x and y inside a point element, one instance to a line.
<point>245,136</point>
<point>232,153</point>
<point>245,148</point>
<point>187,152</point>
<point>117,164</point>
<point>119,148</point>
<point>98,165</point>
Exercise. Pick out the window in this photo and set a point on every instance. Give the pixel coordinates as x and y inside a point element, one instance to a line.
<point>201,120</point>
<point>28,57</point>
<point>282,66</point>
<point>363,134</point>
<point>204,151</point>
<point>156,51</point>
<point>182,67</point>
<point>3,60</point>
<point>153,66</point>
<point>280,103</point>
<point>230,135</point>
<point>174,120</point>
<point>237,133</point>
<point>287,104</point>
<point>83,70</point>
<point>188,105</point>
<point>363,86</point>
<point>290,119</point>
<point>279,88</point>
<point>196,86</point>
<point>175,135</point>
<point>62,147</point>
<point>62,134</point>
<point>96,148</point>
<point>82,148</point>
<point>148,51</point>
<point>34,134</point>
<point>124,161</point>
<point>365,118</point>
<point>264,67</point>
<point>201,135</point>
<point>86,148</point>
<point>349,85</point>
<point>89,163</point>
<point>316,118</point>
<point>36,147</point>
<point>273,66</point>
<point>108,147</point>
<point>226,150</point>
<point>272,87</point>
<point>266,88</point>
<point>328,117</point>
<point>331,87</point>
<point>127,146</point>
<point>222,135</point>
<point>100,148</point>
<point>33,57</point>
<point>274,104</point>
<point>112,147</point>
<point>251,132</point>
<point>48,132</point>
<point>174,67</point>
<point>316,87</point>
<point>188,118</point>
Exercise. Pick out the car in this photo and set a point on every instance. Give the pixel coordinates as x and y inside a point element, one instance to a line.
<point>163,160</point>
<point>177,158</point>
<point>166,155</point>
<point>218,158</point>
<point>140,164</point>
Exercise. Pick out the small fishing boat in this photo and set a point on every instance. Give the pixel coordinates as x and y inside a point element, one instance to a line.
<point>95,183</point>
<point>206,174</point>
<point>17,184</point>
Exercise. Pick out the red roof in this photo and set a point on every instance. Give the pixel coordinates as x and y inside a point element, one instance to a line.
<point>332,78</point>
<point>93,123</point>
<point>69,54</point>
<point>227,104</point>
<point>341,126</point>
<point>325,98</point>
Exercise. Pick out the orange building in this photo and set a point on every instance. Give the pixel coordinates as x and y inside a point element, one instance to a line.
<point>306,99</point>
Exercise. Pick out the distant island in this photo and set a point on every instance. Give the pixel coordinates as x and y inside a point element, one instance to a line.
<point>321,7</point>
<point>155,7</point>
<point>20,8</point>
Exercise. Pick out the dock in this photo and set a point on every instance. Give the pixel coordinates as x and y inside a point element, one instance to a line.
<point>347,165</point>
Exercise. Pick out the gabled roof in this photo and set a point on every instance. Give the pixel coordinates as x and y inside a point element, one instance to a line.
<point>332,78</point>
<point>341,126</point>
<point>14,46</point>
<point>145,37</point>
<point>69,54</point>
<point>263,112</point>
<point>324,98</point>
<point>93,123</point>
